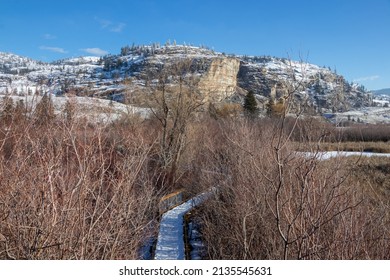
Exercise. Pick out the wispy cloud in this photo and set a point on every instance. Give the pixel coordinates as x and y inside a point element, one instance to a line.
<point>53,49</point>
<point>111,26</point>
<point>368,78</point>
<point>95,51</point>
<point>48,36</point>
<point>104,23</point>
<point>117,27</point>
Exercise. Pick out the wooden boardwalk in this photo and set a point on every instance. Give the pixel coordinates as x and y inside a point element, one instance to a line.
<point>170,242</point>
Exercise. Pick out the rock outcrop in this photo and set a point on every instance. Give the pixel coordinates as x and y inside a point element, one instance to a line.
<point>219,82</point>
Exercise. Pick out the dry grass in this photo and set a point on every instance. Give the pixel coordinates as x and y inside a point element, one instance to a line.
<point>372,174</point>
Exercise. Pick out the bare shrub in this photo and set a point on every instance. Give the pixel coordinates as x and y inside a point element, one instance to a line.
<point>75,192</point>
<point>370,175</point>
<point>273,204</point>
<point>365,133</point>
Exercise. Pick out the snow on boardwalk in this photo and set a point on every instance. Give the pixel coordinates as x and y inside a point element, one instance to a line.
<point>170,242</point>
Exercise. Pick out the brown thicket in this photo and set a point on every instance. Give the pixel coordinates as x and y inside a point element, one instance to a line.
<point>74,190</point>
<point>275,204</point>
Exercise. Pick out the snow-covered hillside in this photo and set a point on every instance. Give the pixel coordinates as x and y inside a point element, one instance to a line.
<point>318,87</point>
<point>23,76</point>
<point>113,75</point>
<point>15,64</point>
<point>94,109</point>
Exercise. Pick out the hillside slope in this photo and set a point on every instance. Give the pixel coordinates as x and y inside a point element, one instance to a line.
<point>221,77</point>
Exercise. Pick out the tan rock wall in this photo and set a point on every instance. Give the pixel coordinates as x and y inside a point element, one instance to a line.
<point>220,81</point>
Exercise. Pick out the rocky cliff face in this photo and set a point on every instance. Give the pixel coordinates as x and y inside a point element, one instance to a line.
<point>220,77</point>
<point>317,87</point>
<point>219,82</point>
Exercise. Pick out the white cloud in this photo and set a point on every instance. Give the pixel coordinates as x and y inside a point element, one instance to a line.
<point>53,49</point>
<point>110,25</point>
<point>48,36</point>
<point>95,51</point>
<point>104,23</point>
<point>118,27</point>
<point>368,78</point>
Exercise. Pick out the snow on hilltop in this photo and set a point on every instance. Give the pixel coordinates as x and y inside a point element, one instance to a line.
<point>21,75</point>
<point>13,62</point>
<point>104,76</point>
<point>323,89</point>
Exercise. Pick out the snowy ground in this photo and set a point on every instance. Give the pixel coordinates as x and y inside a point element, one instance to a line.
<point>170,243</point>
<point>94,109</point>
<point>332,154</point>
<point>366,115</point>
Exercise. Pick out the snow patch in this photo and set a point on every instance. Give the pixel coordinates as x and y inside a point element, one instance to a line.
<point>334,154</point>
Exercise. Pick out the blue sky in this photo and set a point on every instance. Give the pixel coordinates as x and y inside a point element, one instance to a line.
<point>352,37</point>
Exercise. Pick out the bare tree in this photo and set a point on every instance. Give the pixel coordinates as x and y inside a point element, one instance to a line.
<point>174,101</point>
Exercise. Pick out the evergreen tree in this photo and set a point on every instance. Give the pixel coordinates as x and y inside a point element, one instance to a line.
<point>69,111</point>
<point>250,104</point>
<point>20,111</point>
<point>7,109</point>
<point>44,111</point>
